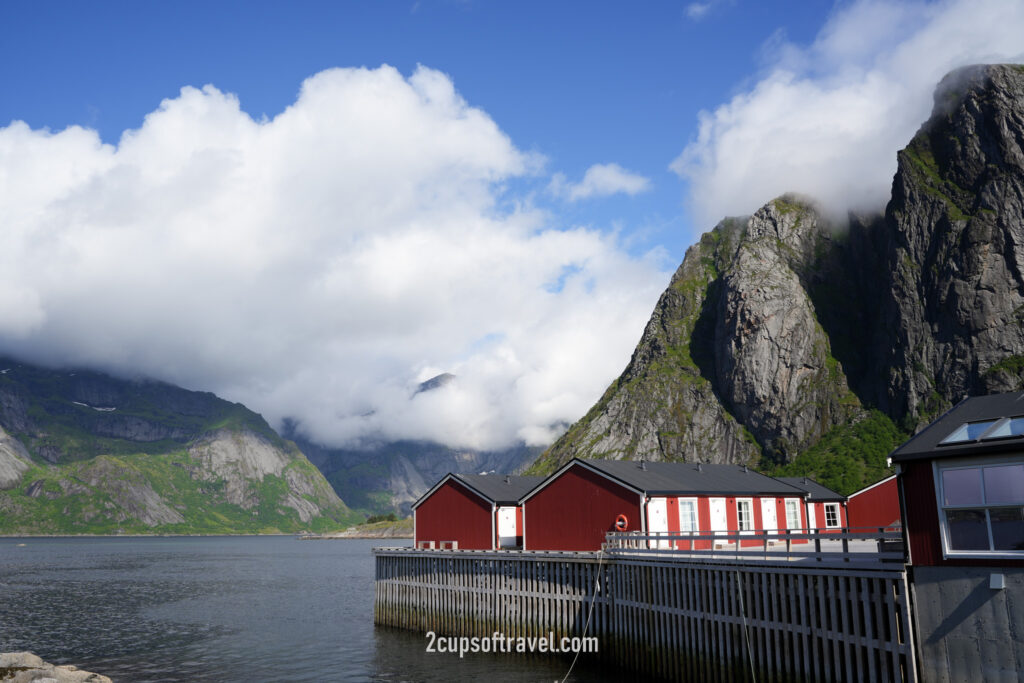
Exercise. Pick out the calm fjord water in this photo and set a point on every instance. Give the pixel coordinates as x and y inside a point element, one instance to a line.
<point>223,609</point>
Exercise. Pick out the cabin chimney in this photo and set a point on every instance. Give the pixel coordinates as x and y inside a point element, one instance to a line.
<point>508,480</point>
<point>643,464</point>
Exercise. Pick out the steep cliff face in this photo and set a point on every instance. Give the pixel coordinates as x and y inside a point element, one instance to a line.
<point>81,452</point>
<point>780,333</point>
<point>733,362</point>
<point>956,248</point>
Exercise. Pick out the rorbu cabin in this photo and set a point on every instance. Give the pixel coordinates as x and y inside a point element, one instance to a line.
<point>825,510</point>
<point>472,512</point>
<point>962,485</point>
<point>875,506</point>
<point>578,505</point>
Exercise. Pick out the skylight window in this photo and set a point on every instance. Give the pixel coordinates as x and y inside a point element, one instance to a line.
<point>1006,429</point>
<point>970,431</point>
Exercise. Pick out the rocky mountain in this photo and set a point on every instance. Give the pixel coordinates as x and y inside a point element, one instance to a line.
<point>391,476</point>
<point>83,452</point>
<point>812,345</point>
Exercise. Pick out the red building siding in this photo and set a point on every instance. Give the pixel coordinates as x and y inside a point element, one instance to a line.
<point>819,518</point>
<point>876,506</point>
<point>576,510</point>
<point>454,513</point>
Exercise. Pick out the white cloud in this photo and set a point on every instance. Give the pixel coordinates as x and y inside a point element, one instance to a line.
<point>317,265</point>
<point>827,119</point>
<point>600,180</point>
<point>697,10</point>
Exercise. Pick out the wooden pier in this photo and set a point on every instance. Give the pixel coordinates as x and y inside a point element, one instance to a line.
<point>809,614</point>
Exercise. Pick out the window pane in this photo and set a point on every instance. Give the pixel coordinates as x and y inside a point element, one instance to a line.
<point>792,514</point>
<point>687,516</point>
<point>1012,427</point>
<point>967,530</point>
<point>1007,528</point>
<point>968,432</point>
<point>831,515</point>
<point>743,516</point>
<point>961,487</point>
<point>1004,484</point>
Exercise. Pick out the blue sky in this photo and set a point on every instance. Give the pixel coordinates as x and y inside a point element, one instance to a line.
<point>581,83</point>
<point>312,207</point>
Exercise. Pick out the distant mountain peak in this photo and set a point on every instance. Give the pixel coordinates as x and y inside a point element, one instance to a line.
<point>436,382</point>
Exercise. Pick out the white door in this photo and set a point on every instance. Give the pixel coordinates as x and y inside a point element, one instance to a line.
<point>769,518</point>
<point>811,524</point>
<point>719,520</point>
<point>657,520</point>
<point>507,530</point>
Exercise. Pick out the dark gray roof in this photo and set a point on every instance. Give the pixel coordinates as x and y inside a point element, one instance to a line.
<point>817,491</point>
<point>669,478</point>
<point>976,409</point>
<point>502,489</point>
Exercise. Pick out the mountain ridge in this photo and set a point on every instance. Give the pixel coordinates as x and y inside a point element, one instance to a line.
<point>782,330</point>
<point>84,452</point>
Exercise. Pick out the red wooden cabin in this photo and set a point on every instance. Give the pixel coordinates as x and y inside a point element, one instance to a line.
<point>576,506</point>
<point>826,510</point>
<point>472,512</point>
<point>875,506</point>
<point>962,485</point>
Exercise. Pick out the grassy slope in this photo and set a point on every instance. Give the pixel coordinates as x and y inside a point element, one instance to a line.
<point>68,503</point>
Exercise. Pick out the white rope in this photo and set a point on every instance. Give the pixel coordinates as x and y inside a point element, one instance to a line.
<point>590,612</point>
<point>746,637</point>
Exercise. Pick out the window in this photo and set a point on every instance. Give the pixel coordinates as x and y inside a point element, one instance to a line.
<point>831,515</point>
<point>982,506</point>
<point>970,431</point>
<point>744,514</point>
<point>688,515</point>
<point>792,513</point>
<point>1006,428</point>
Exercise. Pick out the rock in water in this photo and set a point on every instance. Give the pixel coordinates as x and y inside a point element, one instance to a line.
<point>25,667</point>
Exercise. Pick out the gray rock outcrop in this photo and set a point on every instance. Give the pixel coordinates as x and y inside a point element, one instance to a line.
<point>779,327</point>
<point>25,667</point>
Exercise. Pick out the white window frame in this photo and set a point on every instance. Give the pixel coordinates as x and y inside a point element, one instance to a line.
<point>750,512</point>
<point>838,513</point>
<point>938,467</point>
<point>695,518</point>
<point>795,502</point>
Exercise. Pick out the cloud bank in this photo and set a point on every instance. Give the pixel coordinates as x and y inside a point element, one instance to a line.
<point>318,265</point>
<point>827,119</point>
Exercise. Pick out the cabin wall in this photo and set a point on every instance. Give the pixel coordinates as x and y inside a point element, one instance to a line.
<point>878,506</point>
<point>575,511</point>
<point>819,517</point>
<point>453,513</point>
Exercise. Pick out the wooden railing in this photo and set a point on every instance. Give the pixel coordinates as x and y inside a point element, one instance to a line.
<point>835,547</point>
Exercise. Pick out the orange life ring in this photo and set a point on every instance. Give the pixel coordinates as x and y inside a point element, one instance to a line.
<point>621,523</point>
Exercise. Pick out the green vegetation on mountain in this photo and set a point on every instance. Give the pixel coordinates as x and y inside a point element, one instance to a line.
<point>99,455</point>
<point>848,456</point>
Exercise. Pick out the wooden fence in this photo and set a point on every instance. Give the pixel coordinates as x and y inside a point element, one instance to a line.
<point>669,617</point>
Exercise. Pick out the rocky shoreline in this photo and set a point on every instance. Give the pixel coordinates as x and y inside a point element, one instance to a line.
<point>401,529</point>
<point>25,667</point>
